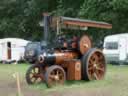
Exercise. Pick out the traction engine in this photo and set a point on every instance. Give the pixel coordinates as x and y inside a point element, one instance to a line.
<point>75,60</point>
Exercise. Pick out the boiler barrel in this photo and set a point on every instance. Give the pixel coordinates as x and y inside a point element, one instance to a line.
<point>57,57</point>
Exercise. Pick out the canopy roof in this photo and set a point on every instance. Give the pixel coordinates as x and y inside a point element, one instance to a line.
<point>85,23</point>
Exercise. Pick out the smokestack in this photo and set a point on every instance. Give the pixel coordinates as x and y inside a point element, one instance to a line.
<point>46,26</point>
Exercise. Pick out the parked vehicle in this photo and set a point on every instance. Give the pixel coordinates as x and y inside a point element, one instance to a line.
<point>116,48</point>
<point>32,50</point>
<point>12,49</point>
<point>75,59</point>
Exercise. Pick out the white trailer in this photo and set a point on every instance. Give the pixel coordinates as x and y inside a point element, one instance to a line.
<point>12,49</point>
<point>116,48</point>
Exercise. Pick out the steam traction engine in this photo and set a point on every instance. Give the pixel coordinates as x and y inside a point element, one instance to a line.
<point>75,60</point>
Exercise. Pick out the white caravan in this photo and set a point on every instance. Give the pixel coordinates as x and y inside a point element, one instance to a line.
<point>116,48</point>
<point>12,49</point>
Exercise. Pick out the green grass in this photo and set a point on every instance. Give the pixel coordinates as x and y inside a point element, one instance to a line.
<point>115,83</point>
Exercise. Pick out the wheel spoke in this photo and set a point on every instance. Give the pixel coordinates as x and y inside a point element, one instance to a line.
<point>53,73</point>
<point>90,68</point>
<point>33,79</point>
<point>61,76</point>
<point>96,76</point>
<point>31,75</point>
<point>36,70</point>
<point>32,71</point>
<point>57,73</point>
<point>96,59</point>
<point>91,62</point>
<point>52,76</point>
<point>100,69</point>
<point>92,75</point>
<point>38,80</point>
<point>100,57</point>
<point>95,56</point>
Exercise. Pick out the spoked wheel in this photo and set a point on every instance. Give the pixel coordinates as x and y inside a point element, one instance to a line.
<point>55,75</point>
<point>93,65</point>
<point>34,74</point>
<point>85,44</point>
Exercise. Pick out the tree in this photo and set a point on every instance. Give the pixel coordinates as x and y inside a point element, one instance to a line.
<point>112,11</point>
<point>20,18</point>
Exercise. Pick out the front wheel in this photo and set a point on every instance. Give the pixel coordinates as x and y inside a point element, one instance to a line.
<point>55,75</point>
<point>34,74</point>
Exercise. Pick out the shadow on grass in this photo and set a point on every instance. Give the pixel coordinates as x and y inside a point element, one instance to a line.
<point>67,85</point>
<point>75,82</point>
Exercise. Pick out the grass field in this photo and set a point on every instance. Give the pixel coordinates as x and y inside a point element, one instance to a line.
<point>114,84</point>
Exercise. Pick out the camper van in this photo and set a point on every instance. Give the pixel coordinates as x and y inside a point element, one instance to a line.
<point>115,48</point>
<point>12,49</point>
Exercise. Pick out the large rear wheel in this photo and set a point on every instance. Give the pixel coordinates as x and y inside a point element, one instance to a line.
<point>93,65</point>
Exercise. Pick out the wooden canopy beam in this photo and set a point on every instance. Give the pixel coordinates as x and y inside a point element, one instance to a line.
<point>85,23</point>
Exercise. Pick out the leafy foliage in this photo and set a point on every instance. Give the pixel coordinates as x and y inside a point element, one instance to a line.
<point>20,18</point>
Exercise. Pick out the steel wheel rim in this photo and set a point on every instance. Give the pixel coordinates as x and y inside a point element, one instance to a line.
<point>96,66</point>
<point>56,77</point>
<point>35,75</point>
